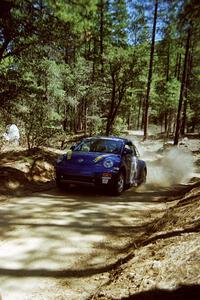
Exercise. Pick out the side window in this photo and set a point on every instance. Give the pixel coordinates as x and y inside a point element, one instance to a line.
<point>134,151</point>
<point>83,146</point>
<point>129,145</point>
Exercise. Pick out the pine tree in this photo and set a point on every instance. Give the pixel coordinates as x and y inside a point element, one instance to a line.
<point>146,116</point>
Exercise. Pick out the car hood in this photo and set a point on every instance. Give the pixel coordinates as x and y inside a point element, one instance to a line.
<point>87,158</point>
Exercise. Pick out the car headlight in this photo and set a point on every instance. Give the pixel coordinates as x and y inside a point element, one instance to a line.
<point>108,163</point>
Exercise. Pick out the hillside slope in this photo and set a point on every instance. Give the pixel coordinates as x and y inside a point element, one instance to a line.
<point>165,262</point>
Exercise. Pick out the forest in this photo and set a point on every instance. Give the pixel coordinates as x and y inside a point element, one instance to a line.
<point>99,67</point>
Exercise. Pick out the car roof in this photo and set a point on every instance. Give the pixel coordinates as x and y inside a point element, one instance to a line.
<point>112,138</point>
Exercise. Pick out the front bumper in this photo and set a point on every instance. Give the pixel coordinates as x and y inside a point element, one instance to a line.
<point>103,178</point>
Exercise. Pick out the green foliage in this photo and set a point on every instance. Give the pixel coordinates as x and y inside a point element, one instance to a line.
<point>171,94</point>
<point>76,13</point>
<point>96,125</point>
<point>83,65</point>
<point>120,126</point>
<point>119,17</point>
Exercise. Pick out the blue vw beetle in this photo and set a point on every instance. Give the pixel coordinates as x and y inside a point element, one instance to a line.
<point>110,162</point>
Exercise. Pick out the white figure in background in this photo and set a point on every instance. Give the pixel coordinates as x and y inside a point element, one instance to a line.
<point>12,134</point>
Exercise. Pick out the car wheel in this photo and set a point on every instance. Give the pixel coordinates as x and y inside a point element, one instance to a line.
<point>143,176</point>
<point>119,184</point>
<point>59,182</point>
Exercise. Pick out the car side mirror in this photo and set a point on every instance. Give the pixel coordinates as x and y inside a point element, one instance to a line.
<point>128,151</point>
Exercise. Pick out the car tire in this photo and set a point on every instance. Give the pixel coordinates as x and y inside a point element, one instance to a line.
<point>143,176</point>
<point>119,184</point>
<point>59,182</point>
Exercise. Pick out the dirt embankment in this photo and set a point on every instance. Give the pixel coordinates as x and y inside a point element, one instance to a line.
<point>23,171</point>
<point>164,263</point>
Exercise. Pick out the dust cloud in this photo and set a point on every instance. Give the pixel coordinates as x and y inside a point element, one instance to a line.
<point>174,166</point>
<point>166,164</point>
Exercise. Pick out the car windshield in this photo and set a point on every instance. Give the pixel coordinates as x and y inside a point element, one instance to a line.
<point>99,145</point>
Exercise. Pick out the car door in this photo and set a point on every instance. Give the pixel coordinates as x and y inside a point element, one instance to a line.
<point>127,157</point>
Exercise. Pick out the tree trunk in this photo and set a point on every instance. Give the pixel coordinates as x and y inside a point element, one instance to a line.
<point>101,32</point>
<point>166,121</point>
<point>166,114</point>
<point>184,116</point>
<point>139,113</point>
<point>85,117</point>
<point>182,91</point>
<point>146,115</point>
<point>114,108</point>
<point>143,113</point>
<point>178,65</point>
<point>129,120</point>
<point>185,103</point>
<point>94,60</point>
<point>110,115</point>
<point>65,119</point>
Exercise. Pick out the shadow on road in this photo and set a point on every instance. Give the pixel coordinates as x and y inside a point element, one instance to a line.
<point>54,227</point>
<point>185,292</point>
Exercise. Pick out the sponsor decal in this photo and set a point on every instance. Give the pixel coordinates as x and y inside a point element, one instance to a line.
<point>69,154</point>
<point>98,158</point>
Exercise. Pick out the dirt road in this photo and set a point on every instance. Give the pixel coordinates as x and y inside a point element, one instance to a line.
<point>56,245</point>
<point>60,245</point>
